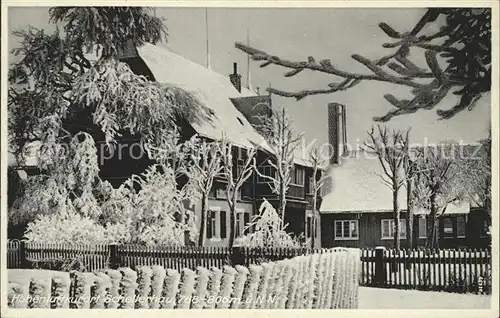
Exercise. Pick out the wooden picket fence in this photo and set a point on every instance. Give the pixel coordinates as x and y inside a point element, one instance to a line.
<point>461,271</point>
<point>96,257</point>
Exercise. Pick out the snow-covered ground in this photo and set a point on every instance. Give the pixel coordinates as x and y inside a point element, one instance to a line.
<point>381,298</point>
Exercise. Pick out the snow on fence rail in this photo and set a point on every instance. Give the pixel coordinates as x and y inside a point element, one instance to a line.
<point>461,271</point>
<point>95,257</point>
<point>326,280</point>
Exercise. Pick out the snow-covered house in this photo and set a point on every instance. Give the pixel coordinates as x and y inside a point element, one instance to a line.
<point>234,115</point>
<point>357,210</point>
<point>233,109</point>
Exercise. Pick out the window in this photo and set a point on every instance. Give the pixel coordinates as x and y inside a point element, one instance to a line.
<point>212,231</point>
<point>447,228</point>
<point>297,174</point>
<point>461,226</point>
<point>422,228</point>
<point>242,220</point>
<point>388,229</point>
<point>267,171</point>
<point>346,230</point>
<point>216,223</point>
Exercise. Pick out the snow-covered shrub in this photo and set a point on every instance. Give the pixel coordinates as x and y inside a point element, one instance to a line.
<point>128,285</point>
<point>226,287</point>
<point>214,287</point>
<point>284,290</point>
<point>239,285</point>
<point>188,281</point>
<point>270,292</point>
<point>313,280</point>
<point>60,290</point>
<point>16,293</point>
<point>18,285</point>
<point>99,290</point>
<point>278,290</point>
<point>267,272</point>
<point>170,288</point>
<point>72,228</point>
<point>251,286</point>
<point>114,289</point>
<point>291,284</point>
<point>157,280</point>
<point>40,290</point>
<point>81,286</point>
<point>268,230</point>
<point>144,274</point>
<point>201,290</point>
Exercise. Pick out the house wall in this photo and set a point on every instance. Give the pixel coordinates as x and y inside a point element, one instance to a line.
<point>369,228</point>
<point>473,237</point>
<point>223,206</point>
<point>370,231</point>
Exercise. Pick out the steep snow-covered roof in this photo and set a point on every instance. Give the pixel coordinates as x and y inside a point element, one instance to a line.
<point>213,89</point>
<point>356,186</point>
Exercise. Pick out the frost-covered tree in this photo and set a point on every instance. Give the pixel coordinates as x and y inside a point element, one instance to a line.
<point>438,181</point>
<point>391,151</point>
<point>205,166</point>
<point>268,230</point>
<point>462,44</point>
<point>235,178</point>
<point>277,130</point>
<point>319,180</point>
<point>69,89</point>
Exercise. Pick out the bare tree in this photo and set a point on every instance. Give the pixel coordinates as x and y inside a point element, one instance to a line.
<point>463,43</point>
<point>205,165</point>
<point>235,179</point>
<point>278,132</point>
<point>318,181</point>
<point>391,152</point>
<point>438,182</point>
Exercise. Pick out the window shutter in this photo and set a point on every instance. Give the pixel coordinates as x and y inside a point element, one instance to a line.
<point>209,225</point>
<point>223,229</point>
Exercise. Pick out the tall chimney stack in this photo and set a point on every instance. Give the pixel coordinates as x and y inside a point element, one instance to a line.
<point>235,78</point>
<point>337,133</point>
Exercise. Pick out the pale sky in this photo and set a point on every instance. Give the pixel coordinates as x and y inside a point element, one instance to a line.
<point>333,33</point>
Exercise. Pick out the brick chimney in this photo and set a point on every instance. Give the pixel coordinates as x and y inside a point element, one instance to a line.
<point>337,133</point>
<point>235,78</point>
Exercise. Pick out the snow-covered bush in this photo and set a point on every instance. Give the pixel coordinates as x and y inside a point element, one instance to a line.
<point>251,286</point>
<point>239,285</point>
<point>226,287</point>
<point>100,290</point>
<point>82,284</point>
<point>60,290</point>
<point>267,272</point>
<point>144,274</point>
<point>157,280</point>
<point>201,287</point>
<point>114,290</point>
<point>128,285</point>
<point>170,288</point>
<point>268,230</point>
<point>214,286</point>
<point>188,281</point>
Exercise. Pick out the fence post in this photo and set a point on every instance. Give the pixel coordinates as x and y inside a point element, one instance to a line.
<point>237,256</point>
<point>114,261</point>
<point>380,274</point>
<point>22,255</point>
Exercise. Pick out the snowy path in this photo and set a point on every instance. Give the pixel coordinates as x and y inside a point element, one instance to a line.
<point>381,298</point>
